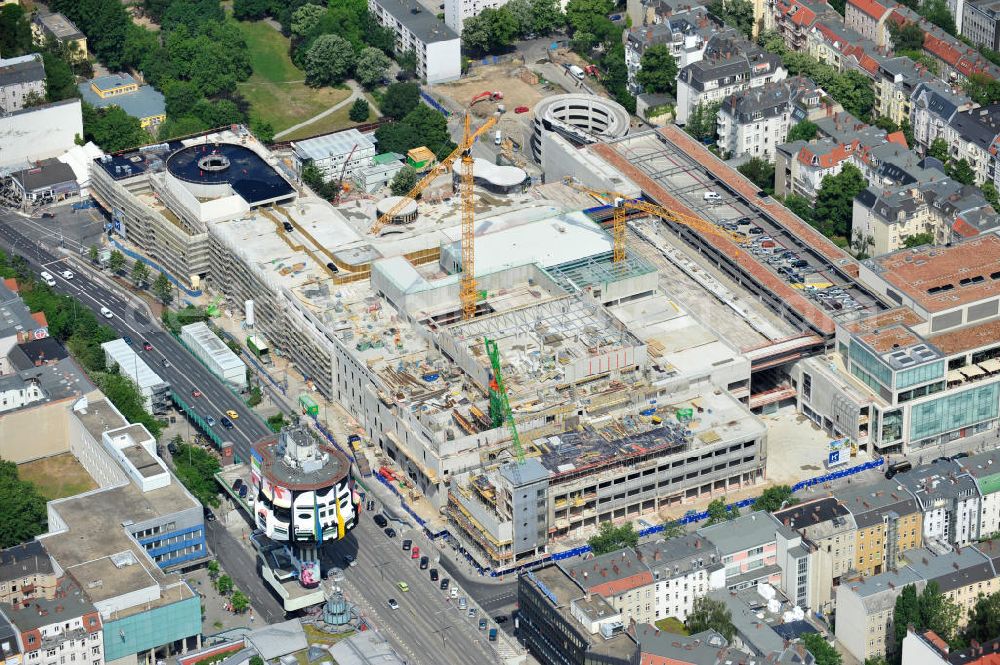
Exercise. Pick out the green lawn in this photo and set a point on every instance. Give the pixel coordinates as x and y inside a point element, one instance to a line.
<point>672,625</point>
<point>276,91</point>
<point>334,122</point>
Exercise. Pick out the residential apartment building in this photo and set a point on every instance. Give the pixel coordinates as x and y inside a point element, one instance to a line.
<point>895,84</point>
<point>622,578</point>
<point>867,18</point>
<point>888,522</point>
<point>981,23</point>
<point>730,64</point>
<point>658,647</point>
<point>957,59</point>
<point>561,624</point>
<point>755,121</point>
<point>684,568</point>
<point>984,468</point>
<point>932,106</point>
<point>26,572</point>
<point>56,26</point>
<point>928,648</point>
<point>865,606</point>
<point>456,11</point>
<point>962,575</point>
<point>795,19</point>
<point>63,630</point>
<point>829,533</point>
<point>763,621</point>
<point>10,650</point>
<point>436,46</point>
<point>20,78</point>
<point>945,208</point>
<point>686,34</point>
<point>974,136</point>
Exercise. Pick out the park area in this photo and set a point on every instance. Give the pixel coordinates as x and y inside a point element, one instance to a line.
<point>277,91</point>
<point>57,477</point>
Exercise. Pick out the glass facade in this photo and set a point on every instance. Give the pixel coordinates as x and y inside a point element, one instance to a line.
<point>954,411</point>
<point>150,629</point>
<point>873,372</point>
<point>922,374</point>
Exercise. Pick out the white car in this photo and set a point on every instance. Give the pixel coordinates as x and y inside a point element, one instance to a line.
<point>67,274</point>
<point>393,605</point>
<point>106,313</point>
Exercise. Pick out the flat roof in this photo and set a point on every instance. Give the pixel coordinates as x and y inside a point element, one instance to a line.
<point>271,451</point>
<point>422,23</point>
<point>60,26</point>
<point>967,338</point>
<point>131,364</point>
<point>211,344</point>
<point>250,176</point>
<point>941,278</point>
<point>744,532</point>
<point>146,102</point>
<point>332,145</point>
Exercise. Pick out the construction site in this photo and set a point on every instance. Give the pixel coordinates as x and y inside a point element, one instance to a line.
<point>511,352</point>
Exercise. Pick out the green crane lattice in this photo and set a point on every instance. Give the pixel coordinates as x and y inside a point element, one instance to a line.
<point>500,411</point>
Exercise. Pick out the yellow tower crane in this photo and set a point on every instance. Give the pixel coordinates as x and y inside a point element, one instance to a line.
<point>441,167</point>
<point>467,287</point>
<point>622,204</point>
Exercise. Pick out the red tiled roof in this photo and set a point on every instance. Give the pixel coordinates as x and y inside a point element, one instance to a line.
<point>963,228</point>
<point>941,49</point>
<point>616,587</point>
<point>898,138</point>
<point>11,284</point>
<point>869,7</point>
<point>39,317</point>
<point>828,160</point>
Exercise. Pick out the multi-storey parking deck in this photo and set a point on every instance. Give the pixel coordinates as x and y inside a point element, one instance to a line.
<point>786,263</point>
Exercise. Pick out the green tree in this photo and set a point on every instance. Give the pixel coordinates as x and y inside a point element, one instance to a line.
<point>546,16</point>
<point>583,42</point>
<point>256,397</point>
<point>421,126</point>
<point>264,131</point>
<point>491,31</point>
<point>939,150</point>
<point>775,498</point>
<point>710,614</point>
<point>876,660</point>
<point>329,60</point>
<point>15,31</point>
<point>702,123</point>
<point>112,129</point>
<point>359,110</point>
<point>961,171</point>
<point>180,97</point>
<point>25,514</point>
<point>760,172</point>
<point>821,650</point>
<point>984,619</point>
<point>92,253</point>
<point>224,585</point>
<point>989,191</point>
<point>140,273</point>
<point>855,93</point>
<point>162,289</point>
<point>213,568</point>
<point>276,422</point>
<point>772,42</point>
<point>805,130</point>
<point>734,13</point>
<point>521,13</point>
<point>250,10</point>
<point>372,67</point>
<point>918,239</point>
<point>305,20</point>
<point>403,181</point>
<point>983,89</point>
<point>937,12</point>
<point>240,602</point>
<point>400,99</point>
<point>60,82</point>
<point>610,538</point>
<point>659,70</point>
<point>717,512</point>
<point>835,201</point>
<point>671,530</point>
<point>908,37</point>
<point>116,262</point>
<point>905,613</point>
<point>196,468</point>
<point>590,16</point>
<point>257,660</point>
<point>939,613</point>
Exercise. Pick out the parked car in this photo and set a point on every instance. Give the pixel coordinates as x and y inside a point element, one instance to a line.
<point>227,423</point>
<point>393,605</point>
<point>48,215</point>
<point>389,531</point>
<point>407,544</point>
<point>424,561</point>
<point>244,490</point>
<point>520,109</point>
<point>288,227</point>
<point>444,583</point>
<point>380,520</point>
<point>210,421</point>
<point>434,574</point>
<point>146,346</point>
<point>482,624</point>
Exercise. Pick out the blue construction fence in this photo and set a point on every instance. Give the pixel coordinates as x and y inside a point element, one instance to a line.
<point>156,266</point>
<point>434,104</point>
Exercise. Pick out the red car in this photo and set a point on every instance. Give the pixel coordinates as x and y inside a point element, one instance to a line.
<point>195,393</point>
<point>147,346</point>
<point>521,109</point>
<point>415,552</point>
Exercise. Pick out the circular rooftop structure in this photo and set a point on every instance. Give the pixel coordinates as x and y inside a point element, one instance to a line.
<point>214,170</point>
<point>494,178</point>
<point>581,119</point>
<point>406,214</point>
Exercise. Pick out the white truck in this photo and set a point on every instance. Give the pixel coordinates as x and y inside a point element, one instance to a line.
<point>576,72</point>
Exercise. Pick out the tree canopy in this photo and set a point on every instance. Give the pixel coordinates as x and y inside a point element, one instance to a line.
<point>372,67</point>
<point>25,514</point>
<point>15,31</point>
<point>196,469</point>
<point>359,110</point>
<point>835,201</point>
<point>734,13</point>
<point>113,129</point>
<point>773,498</point>
<point>659,70</point>
<point>491,31</point>
<point>983,89</point>
<point>906,37</point>
<point>918,239</point>
<point>400,99</point>
<point>928,610</point>
<point>710,614</point>
<point>423,126</point>
<point>719,512</point>
<point>329,61</point>
<point>610,538</point>
<point>403,181</point>
<point>804,130</point>
<point>760,172</point>
<point>821,650</point>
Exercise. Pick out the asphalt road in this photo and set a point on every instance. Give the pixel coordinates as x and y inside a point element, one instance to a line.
<point>428,627</point>
<point>185,373</point>
<point>241,565</point>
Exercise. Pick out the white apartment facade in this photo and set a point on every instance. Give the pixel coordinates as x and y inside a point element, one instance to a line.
<point>436,46</point>
<point>684,568</point>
